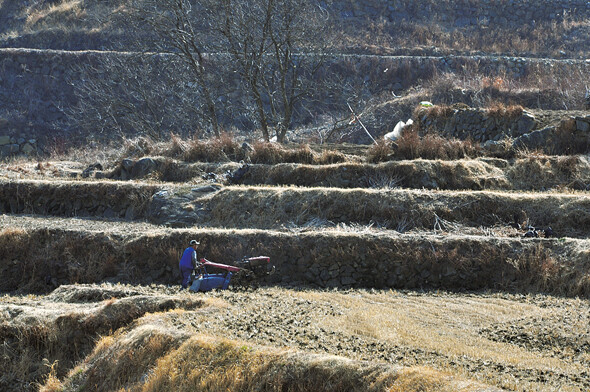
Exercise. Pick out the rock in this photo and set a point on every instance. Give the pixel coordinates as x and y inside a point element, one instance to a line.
<point>333,283</point>
<point>90,169</point>
<point>27,148</point>
<point>130,213</point>
<point>534,140</point>
<point>110,213</point>
<point>494,146</point>
<point>4,151</point>
<point>4,140</point>
<point>127,164</point>
<point>583,125</point>
<point>548,232</point>
<point>579,185</point>
<point>171,210</point>
<point>143,167</point>
<point>526,123</point>
<point>207,188</point>
<point>236,176</point>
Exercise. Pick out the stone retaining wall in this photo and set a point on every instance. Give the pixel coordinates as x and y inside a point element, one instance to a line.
<point>481,126</point>
<point>12,146</point>
<point>36,86</point>
<point>314,259</point>
<point>477,124</point>
<point>211,206</point>
<point>464,13</point>
<point>105,200</point>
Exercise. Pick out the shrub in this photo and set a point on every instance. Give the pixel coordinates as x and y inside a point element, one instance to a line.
<point>439,111</point>
<point>302,154</point>
<point>329,157</point>
<point>433,146</point>
<point>499,110</point>
<point>222,148</point>
<point>228,146</point>
<point>264,152</point>
<point>138,147</point>
<point>177,146</point>
<point>379,152</point>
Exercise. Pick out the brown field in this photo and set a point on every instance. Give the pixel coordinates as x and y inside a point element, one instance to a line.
<point>424,264</point>
<point>441,291</point>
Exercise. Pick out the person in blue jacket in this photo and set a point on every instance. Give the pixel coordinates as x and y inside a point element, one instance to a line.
<point>188,262</point>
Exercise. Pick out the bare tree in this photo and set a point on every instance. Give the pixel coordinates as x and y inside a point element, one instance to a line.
<point>220,59</point>
<point>176,23</point>
<point>130,94</point>
<point>275,46</point>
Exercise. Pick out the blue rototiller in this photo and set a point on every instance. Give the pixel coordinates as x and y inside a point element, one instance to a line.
<point>247,271</point>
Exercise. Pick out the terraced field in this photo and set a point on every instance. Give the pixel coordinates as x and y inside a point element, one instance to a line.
<point>404,275</point>
<point>395,271</point>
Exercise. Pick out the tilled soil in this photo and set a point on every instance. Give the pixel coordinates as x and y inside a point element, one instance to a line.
<point>551,328</point>
<point>516,342</point>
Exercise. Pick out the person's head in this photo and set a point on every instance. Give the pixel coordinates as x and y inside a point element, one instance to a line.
<point>194,243</point>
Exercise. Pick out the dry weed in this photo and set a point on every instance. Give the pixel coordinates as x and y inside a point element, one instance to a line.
<point>220,365</point>
<point>543,273</point>
<point>379,152</point>
<point>438,112</point>
<point>69,9</point>
<point>433,146</point>
<point>273,153</point>
<point>328,157</point>
<point>500,110</point>
<point>51,382</point>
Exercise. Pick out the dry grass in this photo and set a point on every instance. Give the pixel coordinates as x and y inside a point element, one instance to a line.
<point>450,326</point>
<point>433,146</point>
<point>440,337</point>
<point>436,111</point>
<point>44,344</point>
<point>223,148</point>
<point>379,152</point>
<point>146,360</point>
<point>68,10</point>
<point>222,365</point>
<point>329,157</point>
<point>51,382</point>
<point>272,153</point>
<point>500,110</point>
<point>227,149</point>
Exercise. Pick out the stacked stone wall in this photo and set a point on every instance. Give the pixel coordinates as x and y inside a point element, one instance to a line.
<point>64,256</point>
<point>464,13</point>
<point>36,86</point>
<point>481,126</point>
